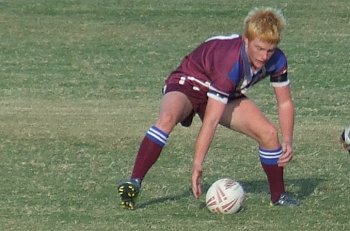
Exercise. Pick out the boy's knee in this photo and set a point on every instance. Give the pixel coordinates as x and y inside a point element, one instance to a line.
<point>269,137</point>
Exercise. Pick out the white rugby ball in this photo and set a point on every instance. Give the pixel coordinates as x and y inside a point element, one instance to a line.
<point>225,196</point>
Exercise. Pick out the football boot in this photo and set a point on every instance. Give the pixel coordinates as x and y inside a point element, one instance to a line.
<point>286,200</point>
<point>128,192</point>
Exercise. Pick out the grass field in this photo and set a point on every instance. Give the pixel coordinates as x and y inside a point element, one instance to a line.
<point>80,84</point>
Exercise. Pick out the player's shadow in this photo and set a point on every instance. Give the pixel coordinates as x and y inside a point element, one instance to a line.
<point>302,188</point>
<point>184,194</point>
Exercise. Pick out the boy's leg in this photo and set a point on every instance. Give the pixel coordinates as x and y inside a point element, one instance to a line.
<point>175,107</point>
<point>244,116</point>
<point>148,153</point>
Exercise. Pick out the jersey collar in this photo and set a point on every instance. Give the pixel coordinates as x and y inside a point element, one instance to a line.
<point>246,65</point>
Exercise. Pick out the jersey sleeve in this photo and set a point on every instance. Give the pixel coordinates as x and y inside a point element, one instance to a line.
<point>279,70</point>
<point>217,95</point>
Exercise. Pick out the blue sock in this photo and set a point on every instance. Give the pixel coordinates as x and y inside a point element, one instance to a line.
<point>270,157</point>
<point>157,135</point>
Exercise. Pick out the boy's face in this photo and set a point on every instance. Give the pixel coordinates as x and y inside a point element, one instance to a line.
<point>258,52</point>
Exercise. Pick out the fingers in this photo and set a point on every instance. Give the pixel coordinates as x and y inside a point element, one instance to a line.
<point>286,156</point>
<point>283,160</point>
<point>196,182</point>
<point>196,190</point>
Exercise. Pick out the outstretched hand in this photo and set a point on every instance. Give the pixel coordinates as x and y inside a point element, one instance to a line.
<point>196,181</point>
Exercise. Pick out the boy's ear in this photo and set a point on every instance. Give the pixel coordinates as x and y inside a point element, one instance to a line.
<point>245,40</point>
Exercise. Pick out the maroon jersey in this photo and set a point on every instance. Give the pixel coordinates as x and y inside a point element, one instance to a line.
<point>220,67</point>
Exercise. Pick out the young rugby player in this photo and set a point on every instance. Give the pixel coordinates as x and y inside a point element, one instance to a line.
<point>212,81</point>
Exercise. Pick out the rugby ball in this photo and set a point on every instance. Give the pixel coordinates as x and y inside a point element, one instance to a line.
<point>225,196</point>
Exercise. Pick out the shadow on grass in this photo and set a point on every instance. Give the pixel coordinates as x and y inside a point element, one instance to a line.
<point>302,188</point>
<point>184,194</point>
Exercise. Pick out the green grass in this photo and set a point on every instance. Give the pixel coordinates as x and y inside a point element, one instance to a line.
<point>80,84</point>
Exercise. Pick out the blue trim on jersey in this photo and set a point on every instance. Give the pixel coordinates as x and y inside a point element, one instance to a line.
<point>270,157</point>
<point>235,73</point>
<point>276,63</point>
<point>247,71</point>
<point>241,69</point>
<point>157,135</point>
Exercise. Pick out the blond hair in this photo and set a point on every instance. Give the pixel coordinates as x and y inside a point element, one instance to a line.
<point>265,24</point>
